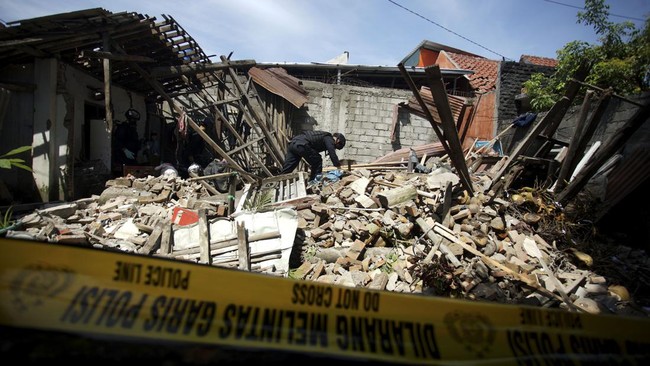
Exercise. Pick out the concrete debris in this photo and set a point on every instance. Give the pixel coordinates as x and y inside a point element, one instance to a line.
<point>384,230</point>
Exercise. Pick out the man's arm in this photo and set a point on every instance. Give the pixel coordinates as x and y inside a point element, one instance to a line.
<point>331,151</point>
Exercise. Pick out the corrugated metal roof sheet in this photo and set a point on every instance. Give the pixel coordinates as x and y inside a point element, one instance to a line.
<point>626,177</point>
<point>412,105</point>
<point>279,82</point>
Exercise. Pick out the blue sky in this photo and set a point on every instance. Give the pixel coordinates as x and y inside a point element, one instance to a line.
<point>374,32</point>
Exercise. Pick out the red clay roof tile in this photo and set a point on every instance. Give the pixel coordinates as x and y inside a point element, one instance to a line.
<point>485,71</point>
<point>536,60</point>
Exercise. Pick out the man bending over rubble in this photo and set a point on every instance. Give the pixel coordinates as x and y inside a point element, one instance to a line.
<point>309,145</point>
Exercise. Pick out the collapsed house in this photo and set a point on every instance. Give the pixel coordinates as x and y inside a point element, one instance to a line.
<point>426,204</point>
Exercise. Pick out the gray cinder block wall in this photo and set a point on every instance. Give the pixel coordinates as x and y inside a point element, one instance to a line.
<point>512,76</point>
<point>365,116</point>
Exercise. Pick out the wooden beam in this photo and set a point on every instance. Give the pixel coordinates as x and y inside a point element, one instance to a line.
<point>243,249</point>
<point>274,148</point>
<point>204,238</point>
<point>153,241</point>
<point>115,57</point>
<point>161,91</point>
<point>572,89</point>
<point>233,164</point>
<point>424,106</point>
<point>448,126</point>
<point>614,95</point>
<point>107,85</point>
<point>175,71</point>
<point>167,239</point>
<point>208,187</point>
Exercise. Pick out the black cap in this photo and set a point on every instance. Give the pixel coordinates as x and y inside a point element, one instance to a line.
<point>341,143</point>
<point>132,115</point>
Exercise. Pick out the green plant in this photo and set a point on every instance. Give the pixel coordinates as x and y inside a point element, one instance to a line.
<point>7,163</point>
<point>7,218</point>
<point>391,258</point>
<point>260,200</point>
<point>621,60</point>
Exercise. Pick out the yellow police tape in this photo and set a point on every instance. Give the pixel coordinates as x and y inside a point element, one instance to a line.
<point>84,290</point>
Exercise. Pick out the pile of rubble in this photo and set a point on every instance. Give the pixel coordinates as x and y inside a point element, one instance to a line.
<point>384,229</point>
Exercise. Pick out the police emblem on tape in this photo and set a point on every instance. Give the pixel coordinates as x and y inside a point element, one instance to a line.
<point>473,331</point>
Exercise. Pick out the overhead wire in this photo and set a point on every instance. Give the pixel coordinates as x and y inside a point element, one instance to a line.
<point>581,8</point>
<point>448,30</point>
<point>480,45</point>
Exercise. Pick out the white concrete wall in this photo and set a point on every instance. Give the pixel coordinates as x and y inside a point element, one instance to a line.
<point>50,135</point>
<point>45,126</point>
<point>79,85</point>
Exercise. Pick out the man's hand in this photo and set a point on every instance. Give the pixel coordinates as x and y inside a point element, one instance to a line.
<point>128,153</point>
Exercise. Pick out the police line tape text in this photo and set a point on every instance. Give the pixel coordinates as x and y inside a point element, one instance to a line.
<point>542,348</point>
<point>151,275</point>
<point>339,298</point>
<point>112,308</point>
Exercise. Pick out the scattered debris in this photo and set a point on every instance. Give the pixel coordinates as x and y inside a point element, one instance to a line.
<point>387,230</point>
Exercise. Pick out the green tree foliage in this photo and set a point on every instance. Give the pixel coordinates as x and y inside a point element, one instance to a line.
<point>621,60</point>
<point>8,162</point>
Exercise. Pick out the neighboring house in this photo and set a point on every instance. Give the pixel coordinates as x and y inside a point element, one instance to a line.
<point>479,85</point>
<point>429,53</point>
<point>539,61</point>
<point>495,86</point>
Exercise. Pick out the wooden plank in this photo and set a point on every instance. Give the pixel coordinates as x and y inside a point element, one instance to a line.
<point>280,191</point>
<point>167,239</point>
<point>158,88</point>
<point>188,70</point>
<point>571,92</point>
<point>447,121</point>
<point>204,238</point>
<point>233,181</point>
<point>153,242</point>
<point>276,153</point>
<point>243,251</point>
<point>106,63</point>
<point>301,189</point>
<point>423,105</point>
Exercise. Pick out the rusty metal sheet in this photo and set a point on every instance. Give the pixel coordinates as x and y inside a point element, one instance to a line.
<point>412,105</point>
<point>277,81</point>
<point>627,176</point>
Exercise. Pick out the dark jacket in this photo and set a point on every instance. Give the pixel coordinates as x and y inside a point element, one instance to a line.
<point>319,141</point>
<point>125,136</point>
